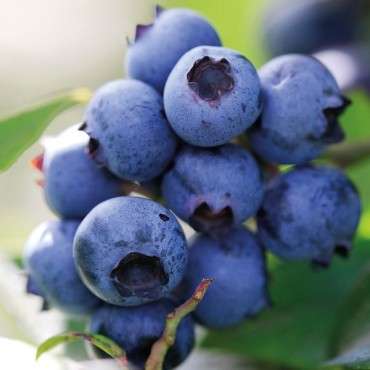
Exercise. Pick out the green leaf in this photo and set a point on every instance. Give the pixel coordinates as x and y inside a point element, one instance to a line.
<point>103,343</point>
<point>297,330</point>
<point>350,341</point>
<point>352,316</point>
<point>75,350</point>
<point>20,130</point>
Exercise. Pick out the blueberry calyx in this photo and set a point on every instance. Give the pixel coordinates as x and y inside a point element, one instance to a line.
<point>334,133</point>
<point>92,146</point>
<point>140,275</point>
<point>82,127</point>
<point>204,218</point>
<point>343,249</point>
<point>210,79</point>
<point>141,30</point>
<point>38,162</point>
<point>159,10</point>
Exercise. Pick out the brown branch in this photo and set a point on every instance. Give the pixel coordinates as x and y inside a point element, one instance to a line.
<point>161,347</point>
<point>349,154</point>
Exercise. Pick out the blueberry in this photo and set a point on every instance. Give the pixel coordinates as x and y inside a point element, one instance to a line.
<point>309,213</point>
<point>73,183</point>
<point>130,251</point>
<point>236,263</point>
<point>212,95</point>
<point>136,329</point>
<point>349,66</point>
<point>213,188</point>
<point>317,24</point>
<point>52,273</point>
<point>129,133</point>
<point>300,116</point>
<point>160,45</point>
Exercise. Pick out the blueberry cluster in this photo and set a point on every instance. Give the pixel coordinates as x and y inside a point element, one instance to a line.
<point>198,129</point>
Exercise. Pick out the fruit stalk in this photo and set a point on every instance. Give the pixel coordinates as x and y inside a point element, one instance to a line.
<point>349,154</point>
<point>160,348</point>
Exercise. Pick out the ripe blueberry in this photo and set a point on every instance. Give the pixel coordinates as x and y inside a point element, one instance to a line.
<point>309,213</point>
<point>300,116</point>
<point>130,251</point>
<point>213,188</point>
<point>52,272</point>
<point>73,183</point>
<point>236,262</point>
<point>137,328</point>
<point>129,133</point>
<point>212,95</point>
<point>160,45</point>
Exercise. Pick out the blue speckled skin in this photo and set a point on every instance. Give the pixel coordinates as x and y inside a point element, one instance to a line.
<point>49,262</point>
<point>210,123</point>
<point>317,24</point>
<point>124,225</point>
<point>73,183</point>
<point>293,128</point>
<point>236,263</point>
<point>307,213</point>
<point>137,328</point>
<point>158,48</point>
<point>135,140</point>
<point>225,176</point>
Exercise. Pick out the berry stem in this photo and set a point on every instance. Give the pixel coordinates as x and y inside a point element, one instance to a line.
<point>161,347</point>
<point>349,154</point>
<point>350,307</point>
<point>128,187</point>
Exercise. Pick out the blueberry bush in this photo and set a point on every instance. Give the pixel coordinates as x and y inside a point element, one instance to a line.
<point>260,154</point>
